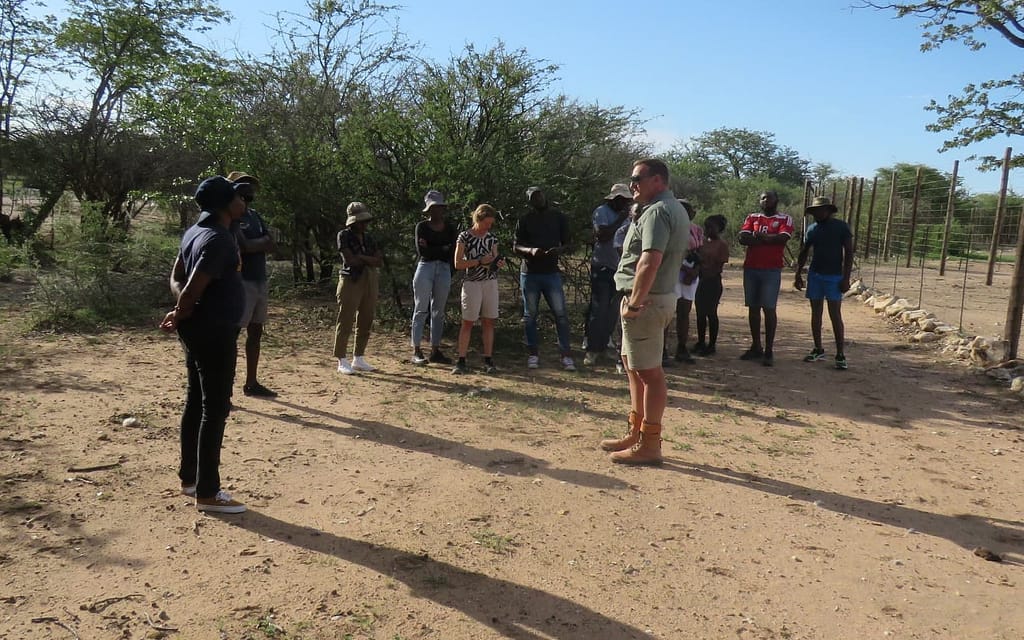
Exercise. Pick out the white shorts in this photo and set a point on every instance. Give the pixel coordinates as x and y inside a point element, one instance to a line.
<point>687,291</point>
<point>256,301</point>
<point>479,299</point>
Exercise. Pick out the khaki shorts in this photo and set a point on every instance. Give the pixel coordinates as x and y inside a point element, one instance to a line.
<point>479,299</point>
<point>256,301</point>
<point>643,337</point>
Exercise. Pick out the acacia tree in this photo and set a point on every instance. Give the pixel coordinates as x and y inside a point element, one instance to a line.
<point>24,45</point>
<point>741,153</point>
<point>986,109</point>
<point>94,144</point>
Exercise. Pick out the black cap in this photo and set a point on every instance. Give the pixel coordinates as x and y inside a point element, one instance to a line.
<point>215,193</point>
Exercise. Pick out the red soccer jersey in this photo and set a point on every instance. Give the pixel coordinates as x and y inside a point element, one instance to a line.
<point>766,256</point>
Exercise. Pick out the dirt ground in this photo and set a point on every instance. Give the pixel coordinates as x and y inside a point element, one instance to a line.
<point>795,502</point>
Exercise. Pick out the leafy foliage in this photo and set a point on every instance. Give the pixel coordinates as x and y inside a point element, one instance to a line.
<point>986,109</point>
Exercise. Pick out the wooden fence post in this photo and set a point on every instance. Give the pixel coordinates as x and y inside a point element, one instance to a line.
<point>859,190</point>
<point>913,216</point>
<point>871,216</point>
<point>1014,309</point>
<point>950,206</point>
<point>889,217</point>
<point>993,250</point>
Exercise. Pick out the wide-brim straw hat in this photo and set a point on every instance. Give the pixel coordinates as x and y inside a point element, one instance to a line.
<point>619,190</point>
<point>357,212</point>
<point>820,202</point>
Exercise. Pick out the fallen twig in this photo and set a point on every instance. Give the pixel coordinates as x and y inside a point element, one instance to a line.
<point>158,627</point>
<point>97,467</point>
<point>100,605</point>
<point>56,621</point>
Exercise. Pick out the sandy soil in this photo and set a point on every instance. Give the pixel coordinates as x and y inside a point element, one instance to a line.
<point>796,501</point>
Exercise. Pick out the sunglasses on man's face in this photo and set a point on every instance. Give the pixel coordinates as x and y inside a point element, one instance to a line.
<point>638,179</point>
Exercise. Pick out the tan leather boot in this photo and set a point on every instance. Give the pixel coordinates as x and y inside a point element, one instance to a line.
<point>626,441</point>
<point>647,450</point>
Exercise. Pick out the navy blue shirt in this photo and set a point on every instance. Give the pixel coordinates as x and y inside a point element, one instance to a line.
<point>254,265</point>
<point>826,239</point>
<point>211,249</point>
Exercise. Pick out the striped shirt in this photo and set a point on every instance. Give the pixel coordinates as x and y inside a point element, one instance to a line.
<point>476,248</point>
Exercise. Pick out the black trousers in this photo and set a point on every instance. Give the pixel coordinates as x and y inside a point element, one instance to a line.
<point>210,356</point>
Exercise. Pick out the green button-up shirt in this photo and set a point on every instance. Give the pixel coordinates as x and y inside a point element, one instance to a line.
<point>662,225</point>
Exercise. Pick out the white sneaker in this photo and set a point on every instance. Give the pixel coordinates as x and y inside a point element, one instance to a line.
<point>568,364</point>
<point>220,503</point>
<point>345,367</point>
<point>533,362</point>
<point>362,365</point>
<point>619,369</point>
<point>590,359</point>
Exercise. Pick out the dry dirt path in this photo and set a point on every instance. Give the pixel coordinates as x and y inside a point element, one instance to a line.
<point>796,501</point>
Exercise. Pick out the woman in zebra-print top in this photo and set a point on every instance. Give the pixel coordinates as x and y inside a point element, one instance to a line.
<point>476,252</point>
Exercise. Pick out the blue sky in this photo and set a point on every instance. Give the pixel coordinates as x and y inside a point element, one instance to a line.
<point>839,85</point>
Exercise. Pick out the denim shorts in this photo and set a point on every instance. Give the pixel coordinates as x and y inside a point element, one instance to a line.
<point>761,287</point>
<point>823,287</point>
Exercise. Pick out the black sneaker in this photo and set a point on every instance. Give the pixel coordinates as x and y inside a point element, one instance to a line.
<point>490,368</point>
<point>698,348</point>
<point>815,355</point>
<point>460,368</point>
<point>439,358</point>
<point>708,350</point>
<point>769,359</point>
<point>752,354</point>
<point>682,355</point>
<point>258,390</point>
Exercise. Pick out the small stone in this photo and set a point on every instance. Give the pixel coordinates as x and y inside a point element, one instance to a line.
<point>130,421</point>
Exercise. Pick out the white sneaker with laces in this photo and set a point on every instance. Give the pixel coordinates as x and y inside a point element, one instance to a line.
<point>344,366</point>
<point>220,503</point>
<point>590,359</point>
<point>568,364</point>
<point>362,365</point>
<point>533,362</point>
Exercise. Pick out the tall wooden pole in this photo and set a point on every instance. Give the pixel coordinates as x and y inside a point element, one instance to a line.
<point>871,216</point>
<point>1012,327</point>
<point>889,217</point>
<point>993,250</point>
<point>913,216</point>
<point>950,206</point>
<point>856,213</point>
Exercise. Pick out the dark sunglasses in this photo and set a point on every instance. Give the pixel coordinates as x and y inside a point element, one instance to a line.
<point>638,179</point>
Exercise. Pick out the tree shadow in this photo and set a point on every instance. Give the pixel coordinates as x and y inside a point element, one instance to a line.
<point>511,610</point>
<point>966,530</point>
<point>508,461</point>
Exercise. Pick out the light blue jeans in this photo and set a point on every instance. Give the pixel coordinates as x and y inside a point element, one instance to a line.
<point>430,286</point>
<point>550,286</point>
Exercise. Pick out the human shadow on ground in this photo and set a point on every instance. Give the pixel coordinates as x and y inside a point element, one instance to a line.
<point>465,385</point>
<point>509,462</point>
<point>511,610</point>
<point>966,530</point>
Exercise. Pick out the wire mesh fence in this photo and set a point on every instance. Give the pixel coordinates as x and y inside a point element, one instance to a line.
<point>953,256</point>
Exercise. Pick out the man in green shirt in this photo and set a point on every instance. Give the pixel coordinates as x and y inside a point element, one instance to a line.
<point>651,256</point>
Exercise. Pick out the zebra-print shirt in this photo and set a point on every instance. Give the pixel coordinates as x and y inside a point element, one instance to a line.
<point>476,248</point>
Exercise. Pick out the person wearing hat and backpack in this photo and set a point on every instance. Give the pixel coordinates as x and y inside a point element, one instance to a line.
<point>829,275</point>
<point>604,300</point>
<point>255,242</point>
<point>358,283</point>
<point>435,246</point>
<point>209,297</point>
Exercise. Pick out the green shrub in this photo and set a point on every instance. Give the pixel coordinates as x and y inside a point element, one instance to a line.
<point>104,276</point>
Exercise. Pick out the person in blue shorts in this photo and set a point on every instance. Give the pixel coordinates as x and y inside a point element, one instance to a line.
<point>829,275</point>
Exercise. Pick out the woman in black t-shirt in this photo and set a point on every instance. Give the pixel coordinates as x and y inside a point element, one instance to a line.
<point>435,246</point>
